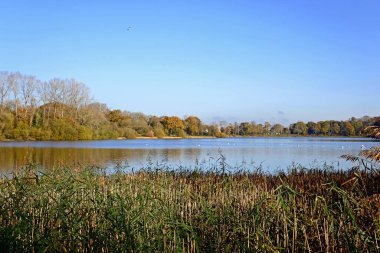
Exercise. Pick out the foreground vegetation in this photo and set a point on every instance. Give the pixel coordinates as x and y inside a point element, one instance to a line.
<point>61,109</point>
<point>158,209</point>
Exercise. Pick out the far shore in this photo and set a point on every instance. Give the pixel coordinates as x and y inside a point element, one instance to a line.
<point>194,137</point>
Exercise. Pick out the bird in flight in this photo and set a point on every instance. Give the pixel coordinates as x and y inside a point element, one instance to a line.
<point>129,28</point>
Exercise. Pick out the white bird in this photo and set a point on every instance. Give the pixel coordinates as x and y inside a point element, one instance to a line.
<point>363,147</point>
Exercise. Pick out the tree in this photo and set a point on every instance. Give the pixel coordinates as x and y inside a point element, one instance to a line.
<point>267,127</point>
<point>13,83</point>
<point>115,116</point>
<point>259,129</point>
<point>43,93</point>
<point>246,128</point>
<point>357,124</point>
<point>28,87</point>
<point>335,128</point>
<point>94,115</point>
<point>154,121</point>
<point>299,128</point>
<point>228,130</point>
<point>348,129</point>
<point>193,125</point>
<point>62,109</point>
<point>159,131</point>
<point>373,131</point>
<point>4,89</point>
<point>76,96</point>
<point>277,129</point>
<point>325,127</point>
<point>312,128</point>
<point>173,125</point>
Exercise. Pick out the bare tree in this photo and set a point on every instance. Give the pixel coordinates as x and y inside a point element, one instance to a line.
<point>94,115</point>
<point>28,87</point>
<point>28,92</point>
<point>43,90</point>
<point>77,96</point>
<point>56,96</point>
<point>4,89</point>
<point>13,80</point>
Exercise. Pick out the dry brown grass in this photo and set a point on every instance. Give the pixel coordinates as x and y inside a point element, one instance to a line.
<point>82,210</point>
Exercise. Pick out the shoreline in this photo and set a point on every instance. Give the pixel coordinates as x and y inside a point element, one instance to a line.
<point>192,137</point>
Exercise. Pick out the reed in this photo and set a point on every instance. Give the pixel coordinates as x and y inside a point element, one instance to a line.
<point>85,209</point>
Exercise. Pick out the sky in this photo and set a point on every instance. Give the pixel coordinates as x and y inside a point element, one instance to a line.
<point>276,61</point>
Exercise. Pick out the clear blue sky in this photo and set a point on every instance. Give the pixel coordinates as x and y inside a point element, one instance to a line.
<point>235,60</point>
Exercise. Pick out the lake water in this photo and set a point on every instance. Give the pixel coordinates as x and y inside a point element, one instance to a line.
<point>271,153</point>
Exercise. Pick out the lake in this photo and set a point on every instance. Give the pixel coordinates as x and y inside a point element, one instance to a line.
<point>271,153</point>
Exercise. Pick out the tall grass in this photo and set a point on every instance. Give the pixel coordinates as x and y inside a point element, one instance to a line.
<point>85,210</point>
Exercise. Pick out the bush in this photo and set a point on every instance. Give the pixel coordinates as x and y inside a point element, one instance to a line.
<point>63,130</point>
<point>40,134</point>
<point>158,132</point>
<point>21,132</point>
<point>181,133</point>
<point>129,133</point>
<point>84,133</point>
<point>150,134</point>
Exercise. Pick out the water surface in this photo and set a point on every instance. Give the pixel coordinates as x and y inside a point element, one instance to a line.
<point>271,153</point>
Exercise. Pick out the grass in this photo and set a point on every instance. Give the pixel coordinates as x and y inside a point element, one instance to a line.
<point>84,209</point>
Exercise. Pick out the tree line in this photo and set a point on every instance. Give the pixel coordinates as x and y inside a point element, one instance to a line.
<point>62,109</point>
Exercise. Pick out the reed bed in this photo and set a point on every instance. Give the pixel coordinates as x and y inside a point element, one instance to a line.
<point>85,209</point>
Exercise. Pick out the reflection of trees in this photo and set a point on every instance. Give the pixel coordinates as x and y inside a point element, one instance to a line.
<point>15,157</point>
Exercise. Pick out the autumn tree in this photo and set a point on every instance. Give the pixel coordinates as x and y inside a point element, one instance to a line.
<point>193,125</point>
<point>173,125</point>
<point>154,123</point>
<point>115,116</point>
<point>61,109</point>
<point>348,129</point>
<point>335,128</point>
<point>373,131</point>
<point>140,123</point>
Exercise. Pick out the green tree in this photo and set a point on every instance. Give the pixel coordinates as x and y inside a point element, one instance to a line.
<point>336,128</point>
<point>348,129</point>
<point>312,128</point>
<point>325,127</point>
<point>358,125</point>
<point>299,128</point>
<point>246,128</point>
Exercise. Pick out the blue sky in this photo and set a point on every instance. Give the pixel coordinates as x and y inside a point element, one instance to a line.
<point>277,61</point>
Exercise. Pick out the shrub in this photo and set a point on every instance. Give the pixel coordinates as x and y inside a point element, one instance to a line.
<point>181,133</point>
<point>159,132</point>
<point>129,133</point>
<point>84,133</point>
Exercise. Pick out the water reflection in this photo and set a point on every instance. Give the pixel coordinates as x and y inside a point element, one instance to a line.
<point>272,153</point>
